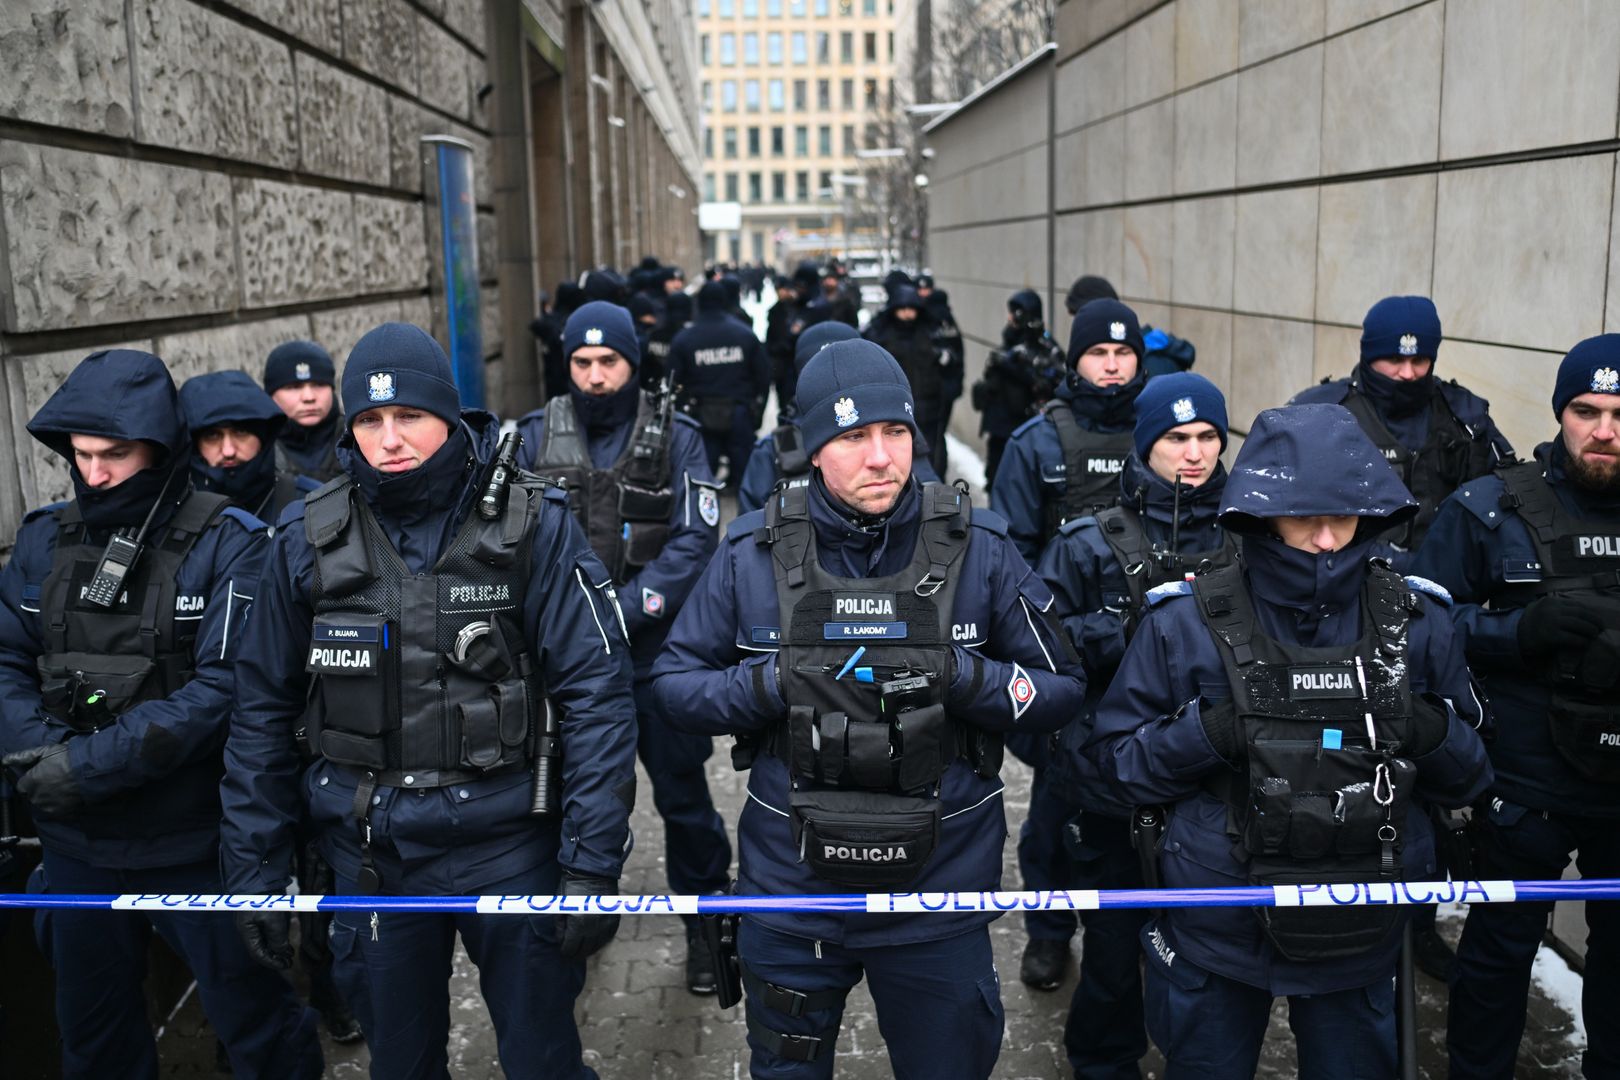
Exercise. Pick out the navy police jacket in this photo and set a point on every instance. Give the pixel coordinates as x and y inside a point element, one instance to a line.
<point>1473,549</point>
<point>716,356</point>
<point>717,676</point>
<point>453,839</point>
<point>650,601</point>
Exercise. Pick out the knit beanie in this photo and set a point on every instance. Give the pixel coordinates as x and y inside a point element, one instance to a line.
<point>1399,327</point>
<point>1101,321</point>
<point>400,364</point>
<point>1591,367</point>
<point>297,361</point>
<point>851,384</point>
<point>1086,288</point>
<point>602,323</point>
<point>1168,401</point>
<point>818,337</point>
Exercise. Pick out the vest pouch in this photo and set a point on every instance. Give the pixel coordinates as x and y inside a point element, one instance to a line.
<point>494,726</point>
<point>347,748</point>
<point>356,691</point>
<point>864,839</point>
<point>1587,734</point>
<point>927,744</point>
<point>643,542</point>
<point>485,683</point>
<point>1323,933</point>
<point>88,691</point>
<point>715,413</point>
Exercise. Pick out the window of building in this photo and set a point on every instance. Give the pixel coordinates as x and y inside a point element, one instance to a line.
<point>891,44</point>
<point>846,7</point>
<point>796,8</point>
<point>871,46</point>
<point>728,95</point>
<point>823,9</point>
<point>730,141</point>
<point>801,141</point>
<point>703,9</point>
<point>751,49</point>
<point>750,9</point>
<point>731,187</point>
<point>891,94</point>
<point>727,8</point>
<point>828,186</point>
<point>751,95</point>
<point>706,95</point>
<point>756,188</point>
<point>753,142</point>
<point>728,50</point>
<point>759,247</point>
<point>824,94</point>
<point>703,48</point>
<point>868,7</point>
<point>846,47</point>
<point>776,98</point>
<point>824,140</point>
<point>708,143</point>
<point>801,186</point>
<point>849,140</point>
<point>773,48</point>
<point>846,93</point>
<point>773,9</point>
<point>871,91</point>
<point>708,187</point>
<point>823,47</point>
<point>801,48</point>
<point>778,187</point>
<point>801,95</point>
<point>778,141</point>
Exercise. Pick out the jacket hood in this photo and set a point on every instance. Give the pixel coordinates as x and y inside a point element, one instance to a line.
<point>904,296</point>
<point>1309,460</point>
<point>115,394</point>
<point>229,397</point>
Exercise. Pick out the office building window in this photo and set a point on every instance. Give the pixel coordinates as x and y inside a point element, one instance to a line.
<point>824,94</point>
<point>801,141</point>
<point>773,48</point>
<point>703,9</point>
<point>846,93</point>
<point>753,142</point>
<point>706,95</point>
<point>849,140</point>
<point>708,142</point>
<point>801,48</point>
<point>823,9</point>
<point>801,95</point>
<point>708,187</point>
<point>728,50</point>
<point>871,46</point>
<point>778,141</point>
<point>796,8</point>
<point>727,8</point>
<point>801,186</point>
<point>846,47</point>
<point>868,7</point>
<point>730,140</point>
<point>756,189</point>
<point>871,91</point>
<point>823,47</point>
<point>773,9</point>
<point>832,190</point>
<point>703,48</point>
<point>751,95</point>
<point>731,187</point>
<point>751,49</point>
<point>750,9</point>
<point>778,187</point>
<point>824,140</point>
<point>778,100</point>
<point>728,95</point>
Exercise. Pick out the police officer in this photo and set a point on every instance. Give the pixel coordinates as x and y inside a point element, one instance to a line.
<point>1297,712</point>
<point>1435,433</point>
<point>911,336</point>
<point>233,427</point>
<point>782,325</point>
<point>414,617</point>
<point>640,488</point>
<point>298,376</point>
<point>1019,376</point>
<point>721,373</point>
<point>120,617</point>
<point>1077,834</point>
<point>1065,463</point>
<point>1531,555</point>
<point>655,354</point>
<point>854,609</point>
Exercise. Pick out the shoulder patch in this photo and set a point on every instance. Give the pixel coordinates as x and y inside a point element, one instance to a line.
<point>43,511</point>
<point>989,521</point>
<point>1433,588</point>
<point>1160,593</point>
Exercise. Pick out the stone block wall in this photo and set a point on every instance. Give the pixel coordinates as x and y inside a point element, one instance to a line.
<point>1254,174</point>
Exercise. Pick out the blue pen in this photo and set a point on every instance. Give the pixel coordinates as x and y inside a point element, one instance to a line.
<point>854,659</point>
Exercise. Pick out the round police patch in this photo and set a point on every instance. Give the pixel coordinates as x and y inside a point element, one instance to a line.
<point>652,603</point>
<point>1021,689</point>
<point>708,507</point>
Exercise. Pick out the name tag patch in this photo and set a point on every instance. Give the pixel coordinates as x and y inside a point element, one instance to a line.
<point>766,635</point>
<point>852,631</point>
<point>1321,681</point>
<point>344,650</point>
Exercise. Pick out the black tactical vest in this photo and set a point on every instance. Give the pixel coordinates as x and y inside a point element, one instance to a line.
<point>1092,461</point>
<point>1451,455</point>
<point>1573,556</point>
<point>624,510</point>
<point>864,663</point>
<point>1147,565</point>
<point>792,463</point>
<point>420,680</point>
<point>329,468</point>
<point>100,662</point>
<point>1320,800</point>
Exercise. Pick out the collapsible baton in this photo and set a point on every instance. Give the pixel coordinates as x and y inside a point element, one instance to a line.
<point>1406,1008</point>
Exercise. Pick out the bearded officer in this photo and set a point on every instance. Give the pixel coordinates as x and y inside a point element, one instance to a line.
<point>234,426</point>
<point>299,376</point>
<point>869,640</point>
<point>1298,712</point>
<point>120,619</point>
<point>1064,464</point>
<point>1532,554</point>
<point>414,617</point>
<point>640,488</point>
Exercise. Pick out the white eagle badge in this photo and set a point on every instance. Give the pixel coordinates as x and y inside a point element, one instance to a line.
<point>844,412</point>
<point>1605,381</point>
<point>1408,344</point>
<point>301,372</point>
<point>380,387</point>
<point>1116,330</point>
<point>1184,411</point>
<point>593,336</point>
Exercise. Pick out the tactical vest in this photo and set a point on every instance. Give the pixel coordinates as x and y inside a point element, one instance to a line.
<point>1452,454</point>
<point>1092,461</point>
<point>1147,565</point>
<point>99,662</point>
<point>420,680</point>
<point>1573,556</point>
<point>625,509</point>
<point>787,448</point>
<point>864,664</point>
<point>1319,801</point>
<point>329,467</point>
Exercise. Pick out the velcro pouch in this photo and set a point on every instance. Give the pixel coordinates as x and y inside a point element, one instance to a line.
<point>926,746</point>
<point>1587,735</point>
<point>347,748</point>
<point>865,839</point>
<point>68,680</point>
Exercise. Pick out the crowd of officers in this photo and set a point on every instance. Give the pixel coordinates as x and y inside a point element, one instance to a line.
<point>342,631</point>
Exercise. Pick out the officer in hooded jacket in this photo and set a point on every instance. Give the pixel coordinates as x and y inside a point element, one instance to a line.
<point>722,375</point>
<point>1437,434</point>
<point>869,640</point>
<point>115,690</point>
<point>1018,377</point>
<point>1077,834</point>
<point>655,353</point>
<point>1297,712</point>
<point>299,376</point>
<point>780,455</point>
<point>907,332</point>
<point>413,618</point>
<point>1531,554</point>
<point>640,488</point>
<point>1065,463</point>
<point>233,427</point>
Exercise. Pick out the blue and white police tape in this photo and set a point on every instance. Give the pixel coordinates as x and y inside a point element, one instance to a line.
<point>1305,895</point>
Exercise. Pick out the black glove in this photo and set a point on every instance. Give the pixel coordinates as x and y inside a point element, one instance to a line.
<point>46,779</point>
<point>1564,624</point>
<point>1431,720</point>
<point>1221,728</point>
<point>582,935</point>
<point>265,935</point>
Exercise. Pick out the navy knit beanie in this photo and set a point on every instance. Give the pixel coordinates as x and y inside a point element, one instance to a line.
<point>818,337</point>
<point>1592,367</point>
<point>851,384</point>
<point>602,323</point>
<point>712,297</point>
<point>1100,321</point>
<point>1168,401</point>
<point>297,361</point>
<point>400,364</point>
<point>1398,327</point>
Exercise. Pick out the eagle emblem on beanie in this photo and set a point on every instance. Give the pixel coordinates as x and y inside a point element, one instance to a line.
<point>1116,331</point>
<point>1605,381</point>
<point>1408,344</point>
<point>593,336</point>
<point>301,372</point>
<point>844,412</point>
<point>380,386</point>
<point>1183,411</point>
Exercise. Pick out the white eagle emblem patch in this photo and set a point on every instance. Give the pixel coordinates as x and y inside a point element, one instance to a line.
<point>380,387</point>
<point>593,336</point>
<point>1116,330</point>
<point>1184,411</point>
<point>1605,381</point>
<point>1408,344</point>
<point>301,372</point>
<point>844,412</point>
